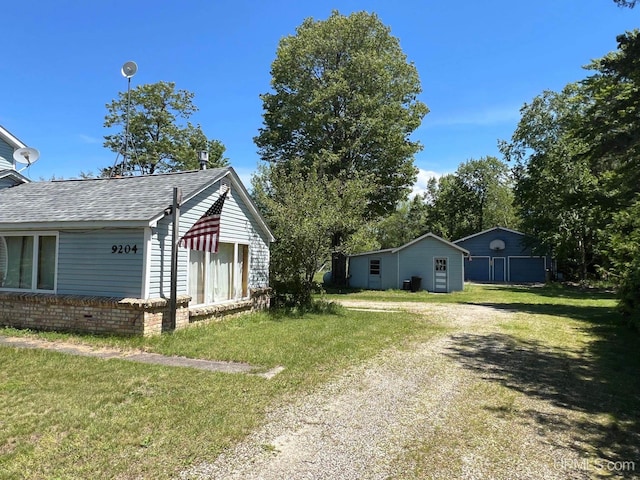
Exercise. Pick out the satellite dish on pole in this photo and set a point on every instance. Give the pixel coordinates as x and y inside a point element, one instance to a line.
<point>129,69</point>
<point>26,156</point>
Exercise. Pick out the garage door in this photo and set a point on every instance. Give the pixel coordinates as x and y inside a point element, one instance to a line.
<point>528,269</point>
<point>477,269</point>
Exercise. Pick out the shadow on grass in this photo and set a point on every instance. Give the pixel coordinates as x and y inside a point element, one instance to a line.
<point>594,314</point>
<point>556,290</point>
<point>603,380</point>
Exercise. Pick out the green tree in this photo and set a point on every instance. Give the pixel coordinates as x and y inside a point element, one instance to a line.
<point>345,99</point>
<point>488,185</point>
<point>305,209</point>
<point>556,189</point>
<point>403,225</point>
<point>478,196</point>
<point>157,141</point>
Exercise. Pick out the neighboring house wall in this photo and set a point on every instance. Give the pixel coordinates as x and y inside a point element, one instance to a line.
<point>6,156</point>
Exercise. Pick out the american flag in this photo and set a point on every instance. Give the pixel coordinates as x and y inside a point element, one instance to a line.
<point>203,235</point>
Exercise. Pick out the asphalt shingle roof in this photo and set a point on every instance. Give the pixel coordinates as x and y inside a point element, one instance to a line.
<point>139,198</point>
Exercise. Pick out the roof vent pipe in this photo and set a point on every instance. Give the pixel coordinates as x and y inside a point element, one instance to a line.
<point>204,159</point>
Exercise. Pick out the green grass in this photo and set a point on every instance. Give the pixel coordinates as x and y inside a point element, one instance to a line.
<point>76,417</point>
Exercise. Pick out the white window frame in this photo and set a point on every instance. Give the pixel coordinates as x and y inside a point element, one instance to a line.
<point>236,272</point>
<point>35,260</point>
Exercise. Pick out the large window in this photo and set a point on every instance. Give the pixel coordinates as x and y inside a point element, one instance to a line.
<point>219,277</point>
<point>28,262</point>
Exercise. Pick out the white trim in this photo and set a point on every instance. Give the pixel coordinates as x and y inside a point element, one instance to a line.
<point>17,176</point>
<point>11,139</point>
<point>75,225</point>
<point>397,249</point>
<point>146,263</point>
<point>487,231</point>
<point>244,195</point>
<point>431,235</point>
<point>446,270</point>
<point>34,267</point>
<point>493,269</point>
<point>372,252</point>
<point>235,276</point>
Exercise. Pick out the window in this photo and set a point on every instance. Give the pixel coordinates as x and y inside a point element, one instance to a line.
<point>219,277</point>
<point>28,262</point>
<point>441,264</point>
<point>374,266</point>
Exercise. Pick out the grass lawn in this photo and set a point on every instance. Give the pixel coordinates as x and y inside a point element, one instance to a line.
<point>76,417</point>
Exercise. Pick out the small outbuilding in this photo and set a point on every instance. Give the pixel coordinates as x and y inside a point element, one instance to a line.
<point>96,255</point>
<point>502,255</point>
<point>426,263</point>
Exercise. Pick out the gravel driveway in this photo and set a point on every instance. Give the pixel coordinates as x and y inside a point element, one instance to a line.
<point>367,423</point>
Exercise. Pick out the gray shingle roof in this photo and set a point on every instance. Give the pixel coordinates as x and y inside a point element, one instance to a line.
<point>128,199</point>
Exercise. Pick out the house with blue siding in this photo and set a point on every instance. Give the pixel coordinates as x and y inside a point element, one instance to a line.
<point>426,263</point>
<point>95,255</point>
<point>9,176</point>
<point>502,255</point>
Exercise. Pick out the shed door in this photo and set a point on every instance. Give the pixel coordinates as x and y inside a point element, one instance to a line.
<point>440,279</point>
<point>374,274</point>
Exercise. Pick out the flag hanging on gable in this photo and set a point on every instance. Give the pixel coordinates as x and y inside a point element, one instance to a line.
<point>204,234</point>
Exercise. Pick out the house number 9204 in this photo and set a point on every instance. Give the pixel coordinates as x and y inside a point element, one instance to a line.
<point>124,248</point>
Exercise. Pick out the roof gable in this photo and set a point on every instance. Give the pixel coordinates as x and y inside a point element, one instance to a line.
<point>14,175</point>
<point>431,235</point>
<point>11,139</point>
<point>487,231</point>
<point>412,242</point>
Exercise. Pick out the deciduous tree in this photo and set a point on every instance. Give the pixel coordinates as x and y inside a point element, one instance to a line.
<point>345,99</point>
<point>157,140</point>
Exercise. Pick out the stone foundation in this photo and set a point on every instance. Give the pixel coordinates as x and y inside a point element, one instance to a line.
<point>106,315</point>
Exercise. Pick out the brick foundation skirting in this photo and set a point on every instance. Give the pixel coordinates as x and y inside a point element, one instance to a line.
<point>107,315</point>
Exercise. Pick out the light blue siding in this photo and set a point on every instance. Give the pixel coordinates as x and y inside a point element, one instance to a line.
<point>237,225</point>
<point>417,260</point>
<point>413,260</point>
<point>359,271</point>
<point>88,266</point>
<point>6,156</point>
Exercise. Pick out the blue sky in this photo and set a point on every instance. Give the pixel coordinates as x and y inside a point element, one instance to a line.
<point>479,62</point>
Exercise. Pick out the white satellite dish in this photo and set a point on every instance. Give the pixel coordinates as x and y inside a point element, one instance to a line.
<point>497,244</point>
<point>129,69</point>
<point>26,155</point>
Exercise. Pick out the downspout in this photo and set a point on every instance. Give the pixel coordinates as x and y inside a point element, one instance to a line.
<point>175,237</point>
